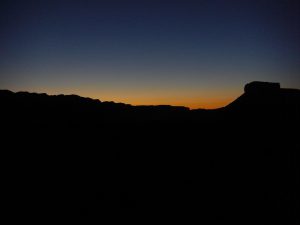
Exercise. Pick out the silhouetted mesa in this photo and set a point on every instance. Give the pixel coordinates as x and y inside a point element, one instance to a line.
<point>258,87</point>
<point>267,101</point>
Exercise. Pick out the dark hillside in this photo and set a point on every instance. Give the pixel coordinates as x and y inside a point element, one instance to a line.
<point>76,160</point>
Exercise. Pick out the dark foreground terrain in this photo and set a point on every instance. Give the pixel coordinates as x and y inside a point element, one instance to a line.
<point>74,160</point>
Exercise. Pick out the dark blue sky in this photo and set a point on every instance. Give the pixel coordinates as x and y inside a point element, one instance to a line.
<point>193,53</point>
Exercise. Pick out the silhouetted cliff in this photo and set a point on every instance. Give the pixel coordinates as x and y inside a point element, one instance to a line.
<point>268,101</point>
<point>257,87</point>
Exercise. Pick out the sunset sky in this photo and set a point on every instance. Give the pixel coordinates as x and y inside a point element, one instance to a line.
<point>193,53</point>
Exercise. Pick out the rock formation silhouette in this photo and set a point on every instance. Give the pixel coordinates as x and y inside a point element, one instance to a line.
<point>267,101</point>
<point>258,87</point>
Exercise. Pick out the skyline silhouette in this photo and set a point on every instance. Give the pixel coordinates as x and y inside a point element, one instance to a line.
<point>259,87</point>
<point>193,53</point>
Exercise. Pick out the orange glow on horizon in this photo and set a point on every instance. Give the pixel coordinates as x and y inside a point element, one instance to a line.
<point>200,101</point>
<point>193,99</point>
<point>192,105</point>
<point>209,103</point>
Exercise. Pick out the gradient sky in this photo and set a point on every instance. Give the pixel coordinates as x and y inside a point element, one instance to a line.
<point>193,53</point>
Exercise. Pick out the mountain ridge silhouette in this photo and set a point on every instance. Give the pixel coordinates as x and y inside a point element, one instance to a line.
<point>255,91</point>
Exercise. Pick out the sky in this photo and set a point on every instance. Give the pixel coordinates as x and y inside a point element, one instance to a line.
<point>198,54</point>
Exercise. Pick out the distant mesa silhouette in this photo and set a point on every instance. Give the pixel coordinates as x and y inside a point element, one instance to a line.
<point>268,99</point>
<point>258,87</point>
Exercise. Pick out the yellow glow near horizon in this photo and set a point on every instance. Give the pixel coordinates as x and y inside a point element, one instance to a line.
<point>193,102</point>
<point>193,98</point>
<point>190,104</point>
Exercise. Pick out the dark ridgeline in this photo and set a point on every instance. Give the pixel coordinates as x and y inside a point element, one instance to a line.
<point>74,160</point>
